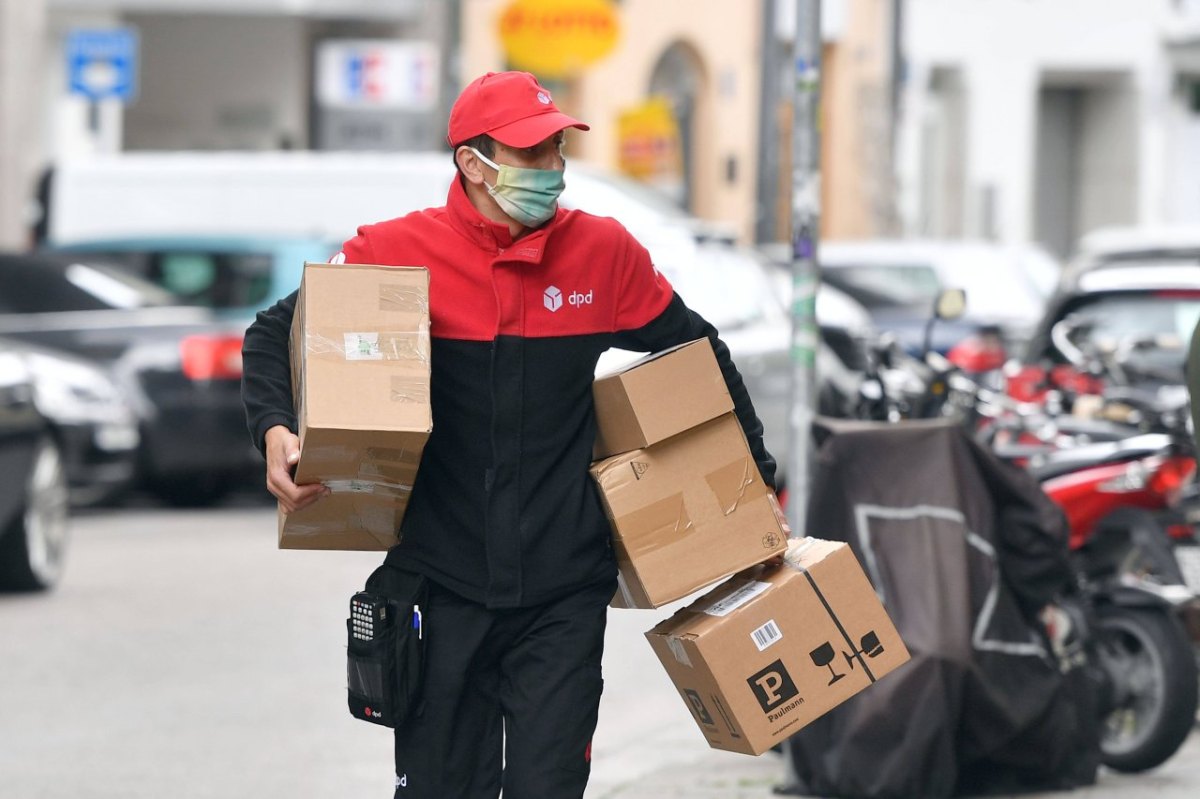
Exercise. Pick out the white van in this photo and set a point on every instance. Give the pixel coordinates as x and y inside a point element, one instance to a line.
<point>297,194</point>
<point>278,194</point>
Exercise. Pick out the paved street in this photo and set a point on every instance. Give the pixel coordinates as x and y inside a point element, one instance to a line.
<point>185,656</point>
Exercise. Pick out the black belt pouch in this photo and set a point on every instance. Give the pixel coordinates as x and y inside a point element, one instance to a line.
<point>385,647</point>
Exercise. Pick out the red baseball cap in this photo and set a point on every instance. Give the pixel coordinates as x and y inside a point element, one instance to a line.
<point>511,107</point>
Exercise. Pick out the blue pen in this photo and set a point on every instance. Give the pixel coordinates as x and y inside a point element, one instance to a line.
<point>417,620</point>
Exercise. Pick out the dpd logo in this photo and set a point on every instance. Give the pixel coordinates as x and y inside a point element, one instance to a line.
<point>772,686</point>
<point>578,298</point>
<point>552,298</point>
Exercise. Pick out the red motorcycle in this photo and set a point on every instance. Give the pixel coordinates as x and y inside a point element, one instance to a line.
<point>1120,461</point>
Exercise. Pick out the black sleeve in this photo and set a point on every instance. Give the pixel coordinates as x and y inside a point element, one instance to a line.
<point>678,324</point>
<point>267,371</point>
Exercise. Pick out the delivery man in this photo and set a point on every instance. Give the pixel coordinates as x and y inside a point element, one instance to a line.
<point>504,522</point>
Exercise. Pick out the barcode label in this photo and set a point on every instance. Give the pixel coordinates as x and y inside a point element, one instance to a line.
<point>766,635</point>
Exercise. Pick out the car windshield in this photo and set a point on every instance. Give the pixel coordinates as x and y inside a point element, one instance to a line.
<point>197,277</point>
<point>726,286</point>
<point>886,285</point>
<point>37,286</point>
<point>1161,322</point>
<point>998,286</point>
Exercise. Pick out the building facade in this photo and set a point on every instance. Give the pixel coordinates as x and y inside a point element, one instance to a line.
<point>1040,121</point>
<point>340,75</point>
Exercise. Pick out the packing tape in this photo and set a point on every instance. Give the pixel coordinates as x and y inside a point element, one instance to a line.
<point>654,526</point>
<point>394,455</point>
<point>329,452</point>
<point>681,655</point>
<point>410,389</point>
<point>387,472</point>
<point>793,560</point>
<point>406,299</point>
<point>735,482</point>
<point>369,345</point>
<point>292,528</point>
<point>626,594</point>
<point>375,487</point>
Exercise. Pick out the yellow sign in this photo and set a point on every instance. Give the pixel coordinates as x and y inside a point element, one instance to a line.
<point>557,38</point>
<point>648,137</point>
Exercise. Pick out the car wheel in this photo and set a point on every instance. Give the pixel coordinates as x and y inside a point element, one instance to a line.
<point>33,549</point>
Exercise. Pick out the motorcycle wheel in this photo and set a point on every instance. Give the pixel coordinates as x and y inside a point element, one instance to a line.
<point>1149,660</point>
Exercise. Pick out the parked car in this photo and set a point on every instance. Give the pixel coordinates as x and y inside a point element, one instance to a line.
<point>898,281</point>
<point>92,420</point>
<point>1145,314</point>
<point>1124,247</point>
<point>179,366</point>
<point>33,493</point>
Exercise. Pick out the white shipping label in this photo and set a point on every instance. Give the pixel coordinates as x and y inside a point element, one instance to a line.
<point>766,635</point>
<point>362,347</point>
<point>738,598</point>
<point>676,647</point>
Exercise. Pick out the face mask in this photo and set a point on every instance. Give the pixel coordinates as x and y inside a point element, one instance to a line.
<point>527,195</point>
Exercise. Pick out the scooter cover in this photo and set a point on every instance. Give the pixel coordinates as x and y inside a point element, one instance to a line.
<point>964,550</point>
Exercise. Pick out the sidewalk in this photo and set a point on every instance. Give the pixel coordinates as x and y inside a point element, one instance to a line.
<point>727,776</point>
<point>721,775</point>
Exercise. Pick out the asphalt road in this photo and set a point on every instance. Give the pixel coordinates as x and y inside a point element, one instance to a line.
<point>185,656</point>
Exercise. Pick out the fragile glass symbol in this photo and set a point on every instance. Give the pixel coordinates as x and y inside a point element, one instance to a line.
<point>824,654</point>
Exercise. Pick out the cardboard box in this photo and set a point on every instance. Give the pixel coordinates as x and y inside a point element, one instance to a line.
<point>687,512</point>
<point>657,397</point>
<point>773,648</point>
<point>360,377</point>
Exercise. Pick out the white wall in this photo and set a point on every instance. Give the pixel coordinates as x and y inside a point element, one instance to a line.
<point>1004,48</point>
<point>219,83</point>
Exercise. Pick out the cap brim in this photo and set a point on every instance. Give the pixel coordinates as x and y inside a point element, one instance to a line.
<point>534,130</point>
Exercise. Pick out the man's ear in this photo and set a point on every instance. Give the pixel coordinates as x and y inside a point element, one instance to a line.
<point>469,164</point>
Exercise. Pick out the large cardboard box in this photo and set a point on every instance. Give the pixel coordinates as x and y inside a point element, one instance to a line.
<point>774,647</point>
<point>687,512</point>
<point>360,377</point>
<point>657,397</point>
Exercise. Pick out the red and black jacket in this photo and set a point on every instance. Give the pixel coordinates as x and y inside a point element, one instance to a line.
<point>503,510</point>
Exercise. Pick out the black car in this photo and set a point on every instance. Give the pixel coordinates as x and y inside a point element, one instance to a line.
<point>180,366</point>
<point>33,493</point>
<point>1138,318</point>
<point>92,420</point>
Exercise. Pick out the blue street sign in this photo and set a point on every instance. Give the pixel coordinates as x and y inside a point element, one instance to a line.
<point>103,64</point>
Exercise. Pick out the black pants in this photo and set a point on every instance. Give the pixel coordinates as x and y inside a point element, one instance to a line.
<point>510,700</point>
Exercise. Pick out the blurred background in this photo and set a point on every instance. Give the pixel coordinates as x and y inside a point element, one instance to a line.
<point>167,166</point>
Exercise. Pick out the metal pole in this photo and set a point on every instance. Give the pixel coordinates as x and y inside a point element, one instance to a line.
<point>806,213</point>
<point>22,33</point>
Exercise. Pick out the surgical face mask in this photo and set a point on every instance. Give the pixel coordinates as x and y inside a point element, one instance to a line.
<point>527,195</point>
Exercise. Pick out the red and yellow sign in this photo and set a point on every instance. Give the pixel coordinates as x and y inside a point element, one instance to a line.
<point>648,138</point>
<point>557,38</point>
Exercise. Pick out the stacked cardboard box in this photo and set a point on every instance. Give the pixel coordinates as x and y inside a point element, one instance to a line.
<point>774,647</point>
<point>687,504</point>
<point>360,376</point>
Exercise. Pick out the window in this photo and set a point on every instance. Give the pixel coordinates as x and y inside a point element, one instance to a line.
<point>208,279</point>
<point>37,286</point>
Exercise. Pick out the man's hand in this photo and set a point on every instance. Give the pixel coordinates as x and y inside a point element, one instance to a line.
<point>283,451</point>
